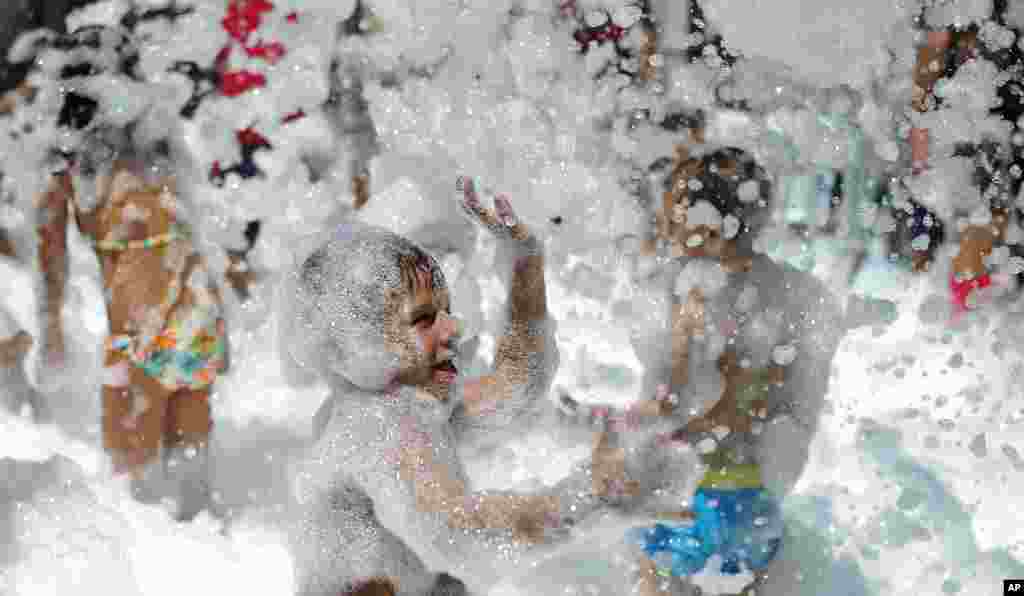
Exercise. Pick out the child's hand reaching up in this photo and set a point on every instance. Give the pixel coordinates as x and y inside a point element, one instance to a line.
<point>501,221</point>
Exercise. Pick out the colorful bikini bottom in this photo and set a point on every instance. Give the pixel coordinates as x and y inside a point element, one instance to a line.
<point>188,353</point>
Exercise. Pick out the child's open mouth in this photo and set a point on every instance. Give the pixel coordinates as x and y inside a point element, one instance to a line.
<point>445,372</point>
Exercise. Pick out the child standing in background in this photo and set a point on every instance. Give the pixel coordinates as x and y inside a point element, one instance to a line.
<point>929,68</point>
<point>167,343</point>
<point>981,244</point>
<point>167,340</point>
<point>769,333</point>
<point>722,398</point>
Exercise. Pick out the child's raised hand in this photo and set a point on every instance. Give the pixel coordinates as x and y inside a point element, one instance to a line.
<point>501,221</point>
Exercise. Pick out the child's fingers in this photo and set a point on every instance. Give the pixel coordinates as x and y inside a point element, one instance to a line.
<point>503,207</point>
<point>516,228</point>
<point>470,203</point>
<point>470,198</point>
<point>464,185</point>
<point>501,221</point>
<point>467,197</point>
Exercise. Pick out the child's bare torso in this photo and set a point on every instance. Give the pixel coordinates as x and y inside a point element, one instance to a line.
<point>145,250</point>
<point>402,456</point>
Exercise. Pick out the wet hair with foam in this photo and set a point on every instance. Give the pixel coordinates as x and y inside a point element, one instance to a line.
<point>335,303</point>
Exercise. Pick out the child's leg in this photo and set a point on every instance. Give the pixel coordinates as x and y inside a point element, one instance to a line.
<point>754,587</point>
<point>649,583</point>
<point>134,408</point>
<point>187,436</point>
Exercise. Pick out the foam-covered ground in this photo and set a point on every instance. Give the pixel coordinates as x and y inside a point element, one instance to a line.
<point>912,484</point>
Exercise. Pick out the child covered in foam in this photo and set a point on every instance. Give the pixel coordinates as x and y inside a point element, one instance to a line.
<point>382,498</point>
<point>737,394</point>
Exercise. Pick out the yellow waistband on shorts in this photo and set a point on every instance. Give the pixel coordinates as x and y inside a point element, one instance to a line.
<point>732,476</point>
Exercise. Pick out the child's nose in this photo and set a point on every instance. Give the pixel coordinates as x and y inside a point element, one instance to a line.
<point>447,327</point>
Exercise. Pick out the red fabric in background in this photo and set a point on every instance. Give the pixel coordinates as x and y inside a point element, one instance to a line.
<point>962,290</point>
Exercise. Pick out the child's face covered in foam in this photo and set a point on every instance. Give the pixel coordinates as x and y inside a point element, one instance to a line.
<point>419,328</point>
<point>374,309</point>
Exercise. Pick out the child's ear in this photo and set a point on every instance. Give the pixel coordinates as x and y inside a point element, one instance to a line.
<point>393,303</point>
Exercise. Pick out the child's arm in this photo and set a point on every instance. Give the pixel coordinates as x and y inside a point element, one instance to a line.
<point>526,356</point>
<point>637,415</point>
<point>14,348</point>
<point>609,465</point>
<point>929,68</point>
<point>355,125</point>
<point>240,274</point>
<point>687,321</point>
<point>438,489</point>
<point>52,221</point>
<point>648,51</point>
<point>425,498</point>
<point>626,455</point>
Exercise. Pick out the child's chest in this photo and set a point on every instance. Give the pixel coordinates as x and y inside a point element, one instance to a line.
<point>738,319</point>
<point>129,220</point>
<point>401,440</point>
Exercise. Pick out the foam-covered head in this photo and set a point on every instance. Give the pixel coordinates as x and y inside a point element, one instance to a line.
<point>94,162</point>
<point>105,150</point>
<point>371,307</point>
